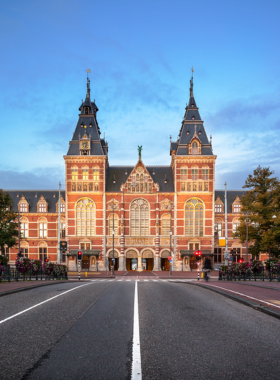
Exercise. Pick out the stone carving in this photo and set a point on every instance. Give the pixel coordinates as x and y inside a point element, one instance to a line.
<point>166,204</point>
<point>147,254</point>
<point>139,241</point>
<point>110,241</point>
<point>164,241</point>
<point>73,186</point>
<point>131,255</point>
<point>113,205</point>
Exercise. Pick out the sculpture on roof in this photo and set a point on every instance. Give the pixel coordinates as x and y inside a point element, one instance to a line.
<point>139,151</point>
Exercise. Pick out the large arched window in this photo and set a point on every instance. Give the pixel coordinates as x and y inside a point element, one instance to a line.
<point>194,217</point>
<point>165,225</point>
<point>85,217</point>
<point>139,218</point>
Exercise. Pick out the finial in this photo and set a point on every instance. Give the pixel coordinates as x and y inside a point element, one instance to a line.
<point>211,140</point>
<point>170,138</point>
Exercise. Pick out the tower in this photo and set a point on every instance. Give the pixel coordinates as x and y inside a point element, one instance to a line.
<point>193,164</point>
<point>85,176</point>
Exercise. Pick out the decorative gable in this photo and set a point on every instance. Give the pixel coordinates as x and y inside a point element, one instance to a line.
<point>140,181</point>
<point>219,205</point>
<point>62,205</point>
<point>42,205</point>
<point>23,205</point>
<point>236,205</point>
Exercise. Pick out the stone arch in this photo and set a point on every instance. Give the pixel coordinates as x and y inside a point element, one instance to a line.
<point>147,253</point>
<point>110,253</point>
<point>164,253</point>
<point>132,253</point>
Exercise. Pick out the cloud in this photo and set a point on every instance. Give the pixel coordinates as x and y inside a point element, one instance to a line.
<point>48,178</point>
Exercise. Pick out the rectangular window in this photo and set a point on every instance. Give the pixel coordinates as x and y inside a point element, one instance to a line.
<point>85,246</point>
<point>205,174</point>
<point>236,255</point>
<point>218,208</point>
<point>194,246</point>
<point>194,174</point>
<point>85,174</point>
<point>42,230</point>
<point>235,226</point>
<point>95,174</point>
<point>74,174</point>
<point>63,258</point>
<point>184,173</point>
<point>62,207</point>
<point>24,230</point>
<point>62,230</point>
<point>183,186</point>
<point>237,207</point>
<point>24,252</point>
<point>42,207</point>
<point>218,229</point>
<point>7,250</point>
<point>217,255</point>
<point>43,256</point>
<point>23,207</point>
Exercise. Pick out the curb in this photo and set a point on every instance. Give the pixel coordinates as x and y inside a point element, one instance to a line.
<point>32,287</point>
<point>251,304</point>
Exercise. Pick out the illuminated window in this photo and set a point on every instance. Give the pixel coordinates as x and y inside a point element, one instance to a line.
<point>205,174</point>
<point>42,228</point>
<point>194,173</point>
<point>96,174</point>
<point>194,148</point>
<point>23,207</point>
<point>42,207</point>
<point>218,207</point>
<point>24,227</point>
<point>85,174</point>
<point>237,207</point>
<point>74,174</point>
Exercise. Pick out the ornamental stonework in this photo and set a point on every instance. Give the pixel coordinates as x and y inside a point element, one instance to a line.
<point>139,241</point>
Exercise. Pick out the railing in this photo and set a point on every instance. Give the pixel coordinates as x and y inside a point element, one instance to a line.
<point>12,274</point>
<point>263,275</point>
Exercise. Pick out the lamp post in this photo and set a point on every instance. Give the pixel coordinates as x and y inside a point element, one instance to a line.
<point>247,213</point>
<point>170,232</point>
<point>113,206</point>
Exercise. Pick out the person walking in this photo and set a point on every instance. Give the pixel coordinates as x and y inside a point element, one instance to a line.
<point>207,267</point>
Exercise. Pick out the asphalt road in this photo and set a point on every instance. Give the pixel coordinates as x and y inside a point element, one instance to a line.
<point>186,332</point>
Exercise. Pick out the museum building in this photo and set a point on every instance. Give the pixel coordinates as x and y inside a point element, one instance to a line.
<point>139,215</point>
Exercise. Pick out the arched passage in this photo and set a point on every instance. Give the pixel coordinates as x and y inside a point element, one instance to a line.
<point>131,259</point>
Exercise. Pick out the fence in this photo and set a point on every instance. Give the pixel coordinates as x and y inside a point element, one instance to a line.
<point>263,275</point>
<point>12,274</point>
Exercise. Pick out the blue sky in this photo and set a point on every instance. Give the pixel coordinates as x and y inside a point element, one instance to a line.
<point>140,54</point>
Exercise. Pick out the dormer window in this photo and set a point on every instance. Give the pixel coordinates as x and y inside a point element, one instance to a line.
<point>193,117</point>
<point>86,110</point>
<point>192,105</point>
<point>90,125</point>
<point>194,148</point>
<point>82,125</point>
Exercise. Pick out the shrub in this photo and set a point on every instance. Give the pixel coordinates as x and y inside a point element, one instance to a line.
<point>36,265</point>
<point>4,260</point>
<point>23,264</point>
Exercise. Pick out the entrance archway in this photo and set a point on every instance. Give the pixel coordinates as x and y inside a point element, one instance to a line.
<point>131,260</point>
<point>148,260</point>
<point>164,262</point>
<point>110,258</point>
<point>85,262</point>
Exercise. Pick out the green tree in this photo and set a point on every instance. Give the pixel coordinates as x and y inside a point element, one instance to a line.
<point>260,208</point>
<point>8,223</point>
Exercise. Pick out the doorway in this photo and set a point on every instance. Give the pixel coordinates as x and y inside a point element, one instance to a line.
<point>131,260</point>
<point>164,264</point>
<point>85,262</point>
<point>116,266</point>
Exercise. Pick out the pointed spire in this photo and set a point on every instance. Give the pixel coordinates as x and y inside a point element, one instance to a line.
<point>191,85</point>
<point>88,88</point>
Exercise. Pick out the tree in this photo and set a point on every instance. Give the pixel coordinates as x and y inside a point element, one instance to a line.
<point>261,209</point>
<point>8,225</point>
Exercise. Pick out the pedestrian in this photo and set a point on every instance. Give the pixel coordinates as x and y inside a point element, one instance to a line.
<point>207,267</point>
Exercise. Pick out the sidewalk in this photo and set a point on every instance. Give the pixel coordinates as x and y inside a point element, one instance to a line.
<point>261,296</point>
<point>18,286</point>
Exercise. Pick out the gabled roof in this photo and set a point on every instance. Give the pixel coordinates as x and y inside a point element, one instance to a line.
<point>121,174</point>
<point>33,197</point>
<point>87,124</point>
<point>192,126</point>
<point>231,196</point>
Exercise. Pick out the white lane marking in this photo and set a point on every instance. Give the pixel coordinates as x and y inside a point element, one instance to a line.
<point>155,280</point>
<point>128,280</point>
<point>41,303</point>
<point>244,295</point>
<point>146,280</point>
<point>119,280</point>
<point>164,280</point>
<point>136,372</point>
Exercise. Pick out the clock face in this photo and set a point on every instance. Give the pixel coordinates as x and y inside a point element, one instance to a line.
<point>84,144</point>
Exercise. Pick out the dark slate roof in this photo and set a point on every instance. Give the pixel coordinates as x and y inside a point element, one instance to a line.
<point>98,146</point>
<point>231,196</point>
<point>33,196</point>
<point>192,128</point>
<point>119,172</point>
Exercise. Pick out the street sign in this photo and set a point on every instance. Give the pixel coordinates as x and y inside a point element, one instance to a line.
<point>227,255</point>
<point>169,258</point>
<point>170,261</point>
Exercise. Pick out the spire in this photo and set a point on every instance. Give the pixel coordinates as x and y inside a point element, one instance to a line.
<point>88,88</point>
<point>191,85</point>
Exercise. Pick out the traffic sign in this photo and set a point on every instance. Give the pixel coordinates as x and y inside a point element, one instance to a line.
<point>169,258</point>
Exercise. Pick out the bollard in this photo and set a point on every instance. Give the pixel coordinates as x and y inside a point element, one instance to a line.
<point>198,275</point>
<point>86,273</point>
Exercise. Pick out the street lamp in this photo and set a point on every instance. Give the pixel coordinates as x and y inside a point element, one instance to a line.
<point>113,206</point>
<point>247,213</point>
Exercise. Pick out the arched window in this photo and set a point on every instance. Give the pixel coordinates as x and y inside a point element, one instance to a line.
<point>235,224</point>
<point>43,251</point>
<point>85,217</point>
<point>194,173</point>
<point>165,224</point>
<point>43,228</point>
<point>95,173</point>
<point>96,187</point>
<point>205,173</point>
<point>194,217</point>
<point>113,221</point>
<point>74,173</point>
<point>139,218</point>
<point>85,173</point>
<point>24,227</point>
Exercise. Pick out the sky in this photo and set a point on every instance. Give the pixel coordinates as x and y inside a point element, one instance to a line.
<point>140,54</point>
